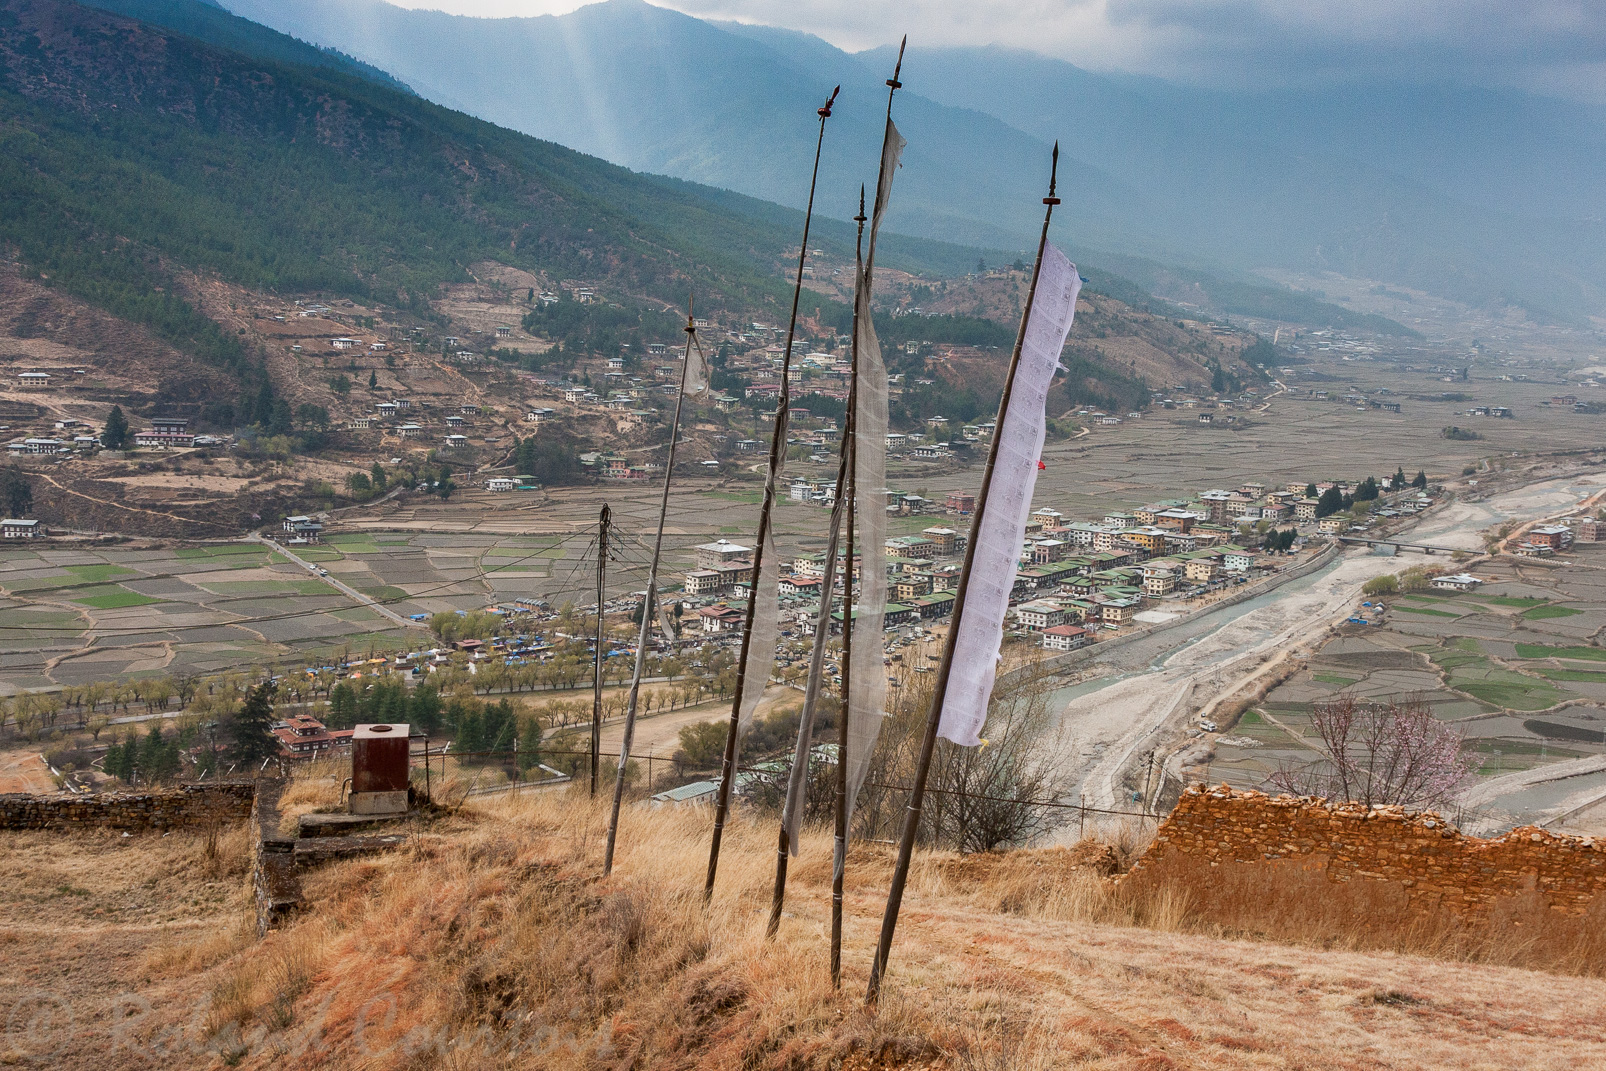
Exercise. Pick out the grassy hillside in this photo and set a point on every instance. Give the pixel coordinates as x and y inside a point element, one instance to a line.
<point>131,154</point>
<point>492,941</point>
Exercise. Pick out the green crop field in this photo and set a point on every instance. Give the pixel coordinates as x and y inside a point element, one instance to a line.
<point>227,550</point>
<point>1513,691</point>
<point>113,597</point>
<point>1593,676</point>
<point>1539,613</point>
<point>1457,659</point>
<point>1541,650</point>
<point>1513,600</point>
<point>271,587</point>
<point>99,573</point>
<point>1422,610</point>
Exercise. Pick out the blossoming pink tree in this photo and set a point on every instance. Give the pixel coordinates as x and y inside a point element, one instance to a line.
<point>1381,753</point>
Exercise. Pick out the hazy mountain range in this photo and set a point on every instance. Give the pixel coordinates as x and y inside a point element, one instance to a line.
<point>1487,196</point>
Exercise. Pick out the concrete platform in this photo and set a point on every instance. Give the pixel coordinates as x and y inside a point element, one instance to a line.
<point>340,825</point>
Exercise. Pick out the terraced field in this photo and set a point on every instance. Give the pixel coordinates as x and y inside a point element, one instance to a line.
<point>1517,665</point>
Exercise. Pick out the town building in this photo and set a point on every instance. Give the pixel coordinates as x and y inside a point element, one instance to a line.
<point>14,528</point>
<point>719,552</point>
<point>944,541</point>
<point>1066,638</point>
<point>721,618</point>
<point>304,737</point>
<point>1039,614</point>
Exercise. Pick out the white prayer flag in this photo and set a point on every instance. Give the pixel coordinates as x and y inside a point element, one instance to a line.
<point>696,366</point>
<point>766,596</point>
<point>867,698</point>
<point>1009,501</point>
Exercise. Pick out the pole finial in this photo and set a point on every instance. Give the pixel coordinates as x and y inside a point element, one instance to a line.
<point>897,70</point>
<point>861,217</point>
<point>691,322</point>
<point>825,112</point>
<point>1053,177</point>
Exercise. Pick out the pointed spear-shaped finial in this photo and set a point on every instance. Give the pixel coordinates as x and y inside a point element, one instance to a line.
<point>861,217</point>
<point>825,112</point>
<point>691,322</point>
<point>893,81</point>
<point>1053,177</point>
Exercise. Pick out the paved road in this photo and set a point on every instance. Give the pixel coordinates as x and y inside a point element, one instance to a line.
<point>340,586</point>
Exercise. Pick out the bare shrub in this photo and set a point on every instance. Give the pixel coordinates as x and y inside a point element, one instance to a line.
<point>992,796</point>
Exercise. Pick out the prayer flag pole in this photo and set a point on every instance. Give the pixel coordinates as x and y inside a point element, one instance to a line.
<point>792,814</point>
<point>911,822</point>
<point>777,442</point>
<point>652,583</point>
<point>839,842</point>
<point>596,660</point>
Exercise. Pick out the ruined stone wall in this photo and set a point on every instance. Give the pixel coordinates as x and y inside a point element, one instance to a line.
<point>189,805</point>
<point>274,883</point>
<point>1427,863</point>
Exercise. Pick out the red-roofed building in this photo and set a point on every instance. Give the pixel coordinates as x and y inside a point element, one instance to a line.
<point>1065,638</point>
<point>304,737</point>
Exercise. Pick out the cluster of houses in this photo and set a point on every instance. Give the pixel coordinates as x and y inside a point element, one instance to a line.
<point>396,417</point>
<point>76,436</point>
<point>1075,580</point>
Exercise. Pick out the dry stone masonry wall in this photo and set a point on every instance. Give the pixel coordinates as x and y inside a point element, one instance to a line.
<point>1436,866</point>
<point>191,805</point>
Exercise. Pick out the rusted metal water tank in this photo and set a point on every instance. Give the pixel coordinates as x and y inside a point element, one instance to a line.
<point>379,768</point>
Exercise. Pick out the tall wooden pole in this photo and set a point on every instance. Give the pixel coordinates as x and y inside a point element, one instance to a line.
<point>777,443</point>
<point>822,624</point>
<point>839,843</point>
<point>647,603</point>
<point>911,821</point>
<point>603,523</point>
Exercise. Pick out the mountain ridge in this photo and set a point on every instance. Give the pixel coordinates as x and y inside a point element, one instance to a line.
<point>1169,173</point>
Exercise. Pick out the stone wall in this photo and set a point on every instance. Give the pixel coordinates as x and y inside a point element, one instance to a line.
<point>1423,864</point>
<point>273,872</point>
<point>189,805</point>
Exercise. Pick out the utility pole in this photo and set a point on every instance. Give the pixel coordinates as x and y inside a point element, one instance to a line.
<point>603,523</point>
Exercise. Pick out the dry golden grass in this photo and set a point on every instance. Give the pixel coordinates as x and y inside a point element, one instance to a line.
<point>495,943</point>
<point>1286,901</point>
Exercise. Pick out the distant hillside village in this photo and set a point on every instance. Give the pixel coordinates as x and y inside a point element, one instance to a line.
<point>1078,580</point>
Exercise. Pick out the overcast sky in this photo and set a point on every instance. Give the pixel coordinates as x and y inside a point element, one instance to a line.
<point>1555,45</point>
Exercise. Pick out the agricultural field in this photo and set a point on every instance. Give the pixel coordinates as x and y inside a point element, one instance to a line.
<point>1515,665</point>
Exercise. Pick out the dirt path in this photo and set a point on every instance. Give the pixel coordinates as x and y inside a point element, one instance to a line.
<point>24,771</point>
<point>51,480</point>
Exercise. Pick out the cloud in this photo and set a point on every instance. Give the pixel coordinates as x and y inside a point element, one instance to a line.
<point>1551,45</point>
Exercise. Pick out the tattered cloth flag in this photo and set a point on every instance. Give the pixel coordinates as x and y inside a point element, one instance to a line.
<point>766,593</point>
<point>867,699</point>
<point>1009,502</point>
<point>696,367</point>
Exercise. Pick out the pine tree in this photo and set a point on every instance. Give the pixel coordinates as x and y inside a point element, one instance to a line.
<point>250,728</point>
<point>1310,490</point>
<point>113,763</point>
<point>529,743</point>
<point>373,379</point>
<point>115,435</point>
<point>1421,481</point>
<point>424,710</point>
<point>150,755</point>
<point>18,493</point>
<point>342,706</point>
